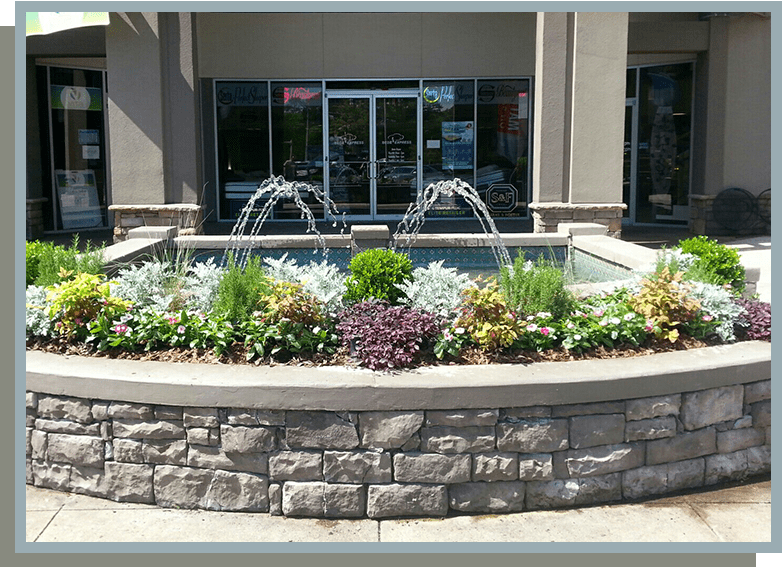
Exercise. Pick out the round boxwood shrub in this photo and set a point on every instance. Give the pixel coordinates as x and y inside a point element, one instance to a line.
<point>375,274</point>
<point>722,263</point>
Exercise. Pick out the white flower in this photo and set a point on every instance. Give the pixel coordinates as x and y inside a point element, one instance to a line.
<point>530,317</point>
<point>570,325</point>
<point>543,315</point>
<point>615,320</point>
<point>629,316</point>
<point>533,327</point>
<point>577,337</point>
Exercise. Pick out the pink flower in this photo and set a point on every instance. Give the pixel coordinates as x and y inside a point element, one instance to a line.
<point>172,319</point>
<point>78,320</point>
<point>180,329</point>
<point>121,328</point>
<point>545,331</point>
<point>598,313</point>
<point>533,327</point>
<point>570,325</point>
<point>707,317</point>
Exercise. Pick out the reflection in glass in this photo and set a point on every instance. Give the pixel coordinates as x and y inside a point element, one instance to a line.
<point>665,111</point>
<point>502,146</point>
<point>242,143</point>
<point>396,154</point>
<point>449,141</point>
<point>349,155</point>
<point>297,141</point>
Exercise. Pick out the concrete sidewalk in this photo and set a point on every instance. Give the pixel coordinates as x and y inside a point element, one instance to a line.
<point>738,513</point>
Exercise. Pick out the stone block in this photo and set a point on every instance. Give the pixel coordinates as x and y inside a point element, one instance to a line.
<point>28,436</point>
<point>200,417</point>
<point>684,446</point>
<point>462,418</point>
<point>75,449</point>
<point>708,407</point>
<point>57,407</point>
<point>181,487</point>
<point>127,410</point>
<point>275,499</point>
<point>51,475</point>
<point>393,500</point>
<point>738,439</point>
<point>303,499</point>
<point>726,467</point>
<point>538,466</point>
<point>757,391</point>
<point>29,479</point>
<point>683,475</point>
<point>652,428</point>
<point>388,429</point>
<point>30,400</point>
<point>106,431</point>
<point>296,465</point>
<point>241,439</point>
<point>761,414</point>
<point>203,436</point>
<point>595,408</point>
<point>514,415</point>
<point>216,458</point>
<point>412,444</point>
<point>170,413</point>
<point>490,467</point>
<point>319,430</point>
<point>432,468</point>
<point>88,480</point>
<point>238,492</point>
<point>597,429</point>
<point>256,417</point>
<point>545,494</point>
<point>649,408</point>
<point>487,497</point>
<point>457,439</point>
<point>100,410</point>
<point>108,450</point>
<point>67,426</point>
<point>604,459</point>
<point>129,482</point>
<point>155,429</point>
<point>165,452</point>
<point>38,444</point>
<point>599,489</point>
<point>759,460</point>
<point>743,422</point>
<point>533,436</point>
<point>645,481</point>
<point>128,450</point>
<point>344,501</point>
<point>356,467</point>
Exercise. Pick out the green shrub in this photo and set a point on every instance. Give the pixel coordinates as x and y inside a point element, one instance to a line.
<point>376,273</point>
<point>530,288</point>
<point>58,263</point>
<point>34,250</point>
<point>240,291</point>
<point>715,263</point>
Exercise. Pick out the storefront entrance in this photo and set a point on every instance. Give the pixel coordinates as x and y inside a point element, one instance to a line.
<point>373,151</point>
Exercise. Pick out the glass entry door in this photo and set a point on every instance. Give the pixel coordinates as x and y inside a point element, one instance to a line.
<point>373,157</point>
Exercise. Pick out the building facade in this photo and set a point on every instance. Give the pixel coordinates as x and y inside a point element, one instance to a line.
<point>177,118</point>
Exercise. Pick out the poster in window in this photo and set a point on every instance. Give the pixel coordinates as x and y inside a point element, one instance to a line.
<point>78,195</point>
<point>457,145</point>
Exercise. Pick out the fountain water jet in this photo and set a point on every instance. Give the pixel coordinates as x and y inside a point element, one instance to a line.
<point>415,216</point>
<point>277,188</point>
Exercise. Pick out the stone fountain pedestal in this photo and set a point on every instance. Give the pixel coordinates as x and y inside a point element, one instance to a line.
<point>366,237</point>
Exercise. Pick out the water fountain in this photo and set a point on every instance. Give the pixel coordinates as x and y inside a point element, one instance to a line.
<point>415,216</point>
<point>277,188</point>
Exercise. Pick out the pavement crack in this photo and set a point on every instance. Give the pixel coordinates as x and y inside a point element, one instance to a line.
<point>48,523</point>
<point>703,519</point>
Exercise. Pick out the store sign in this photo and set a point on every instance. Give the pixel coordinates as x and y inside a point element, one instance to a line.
<point>502,197</point>
<point>76,98</point>
<point>457,144</point>
<point>299,95</point>
<point>447,94</point>
<point>242,94</point>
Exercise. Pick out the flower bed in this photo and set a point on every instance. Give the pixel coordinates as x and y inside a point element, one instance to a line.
<point>387,315</point>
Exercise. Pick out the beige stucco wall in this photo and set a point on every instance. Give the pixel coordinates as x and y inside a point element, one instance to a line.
<point>747,143</point>
<point>365,45</point>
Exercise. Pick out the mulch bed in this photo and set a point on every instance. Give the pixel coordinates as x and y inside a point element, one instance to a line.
<point>237,354</point>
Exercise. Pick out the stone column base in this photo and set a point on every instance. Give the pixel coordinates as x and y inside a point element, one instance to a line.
<point>702,218</point>
<point>547,216</point>
<point>185,217</point>
<point>35,218</point>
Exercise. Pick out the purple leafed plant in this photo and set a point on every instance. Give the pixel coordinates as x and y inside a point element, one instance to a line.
<point>385,336</point>
<point>755,323</point>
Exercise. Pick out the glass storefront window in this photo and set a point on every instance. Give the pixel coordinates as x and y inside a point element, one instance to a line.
<point>77,149</point>
<point>449,140</point>
<point>502,146</point>
<point>664,128</point>
<point>297,141</point>
<point>242,142</point>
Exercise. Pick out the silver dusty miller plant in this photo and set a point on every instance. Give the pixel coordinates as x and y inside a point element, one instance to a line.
<point>323,280</point>
<point>435,289</point>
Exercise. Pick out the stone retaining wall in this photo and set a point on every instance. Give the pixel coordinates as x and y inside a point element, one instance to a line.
<point>381,464</point>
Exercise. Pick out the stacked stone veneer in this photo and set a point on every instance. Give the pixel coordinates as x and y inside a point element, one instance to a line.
<point>702,219</point>
<point>548,216</point>
<point>187,218</point>
<point>398,463</point>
